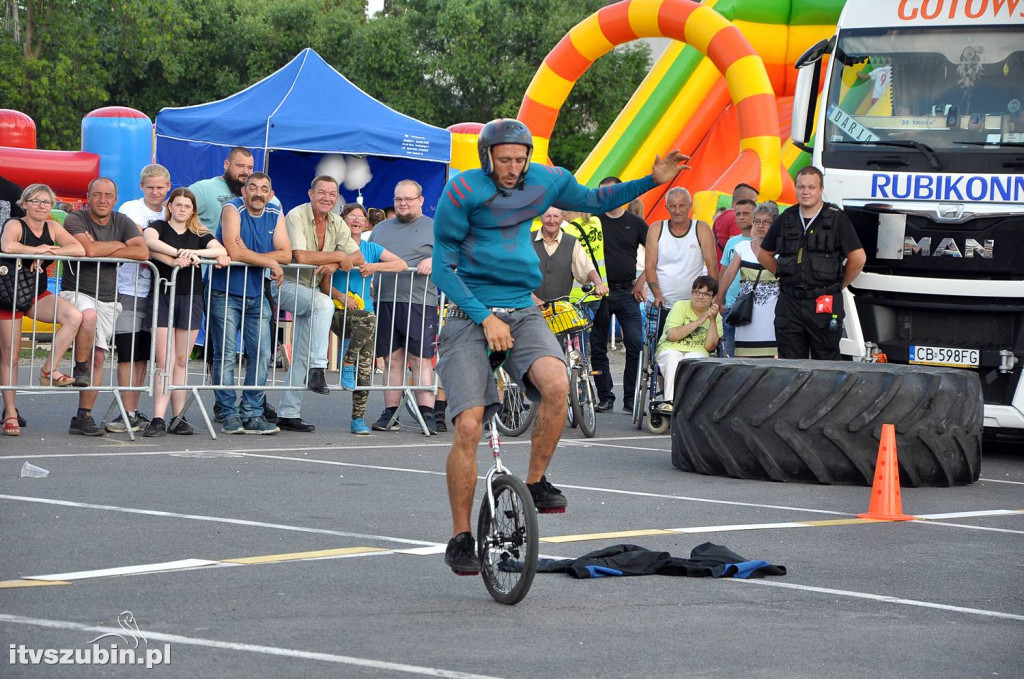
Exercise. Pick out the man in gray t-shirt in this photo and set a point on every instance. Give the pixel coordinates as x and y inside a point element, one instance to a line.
<point>92,288</point>
<point>407,302</point>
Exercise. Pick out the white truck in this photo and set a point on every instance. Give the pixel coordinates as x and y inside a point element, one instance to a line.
<point>920,134</point>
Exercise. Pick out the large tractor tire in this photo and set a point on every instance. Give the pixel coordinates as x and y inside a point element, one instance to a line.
<point>820,421</point>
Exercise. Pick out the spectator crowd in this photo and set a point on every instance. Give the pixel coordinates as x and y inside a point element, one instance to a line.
<point>210,259</point>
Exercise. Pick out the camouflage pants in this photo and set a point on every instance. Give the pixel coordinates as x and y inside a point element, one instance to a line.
<point>357,326</point>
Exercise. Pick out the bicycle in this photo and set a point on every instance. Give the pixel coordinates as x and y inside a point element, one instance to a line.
<point>517,412</point>
<point>507,533</point>
<point>569,321</point>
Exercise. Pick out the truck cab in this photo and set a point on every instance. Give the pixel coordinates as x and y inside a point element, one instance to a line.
<point>920,134</point>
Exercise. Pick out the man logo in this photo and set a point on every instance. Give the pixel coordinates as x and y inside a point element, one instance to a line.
<point>947,247</point>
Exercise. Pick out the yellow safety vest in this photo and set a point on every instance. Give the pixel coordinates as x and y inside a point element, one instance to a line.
<point>591,238</point>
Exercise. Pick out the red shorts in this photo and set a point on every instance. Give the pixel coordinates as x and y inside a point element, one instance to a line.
<point>5,314</point>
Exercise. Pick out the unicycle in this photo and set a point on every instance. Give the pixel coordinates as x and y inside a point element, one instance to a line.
<point>507,539</point>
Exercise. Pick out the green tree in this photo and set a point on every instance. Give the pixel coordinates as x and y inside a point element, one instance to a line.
<point>447,62</point>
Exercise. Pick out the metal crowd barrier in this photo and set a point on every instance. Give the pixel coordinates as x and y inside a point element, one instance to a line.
<point>282,329</point>
<point>12,340</point>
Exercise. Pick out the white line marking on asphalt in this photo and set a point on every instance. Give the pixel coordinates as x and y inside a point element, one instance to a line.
<point>346,464</point>
<point>299,449</point>
<point>249,648</point>
<point>964,525</point>
<point>215,519</point>
<point>1016,483</point>
<point>881,597</point>
<point>965,515</point>
<point>126,570</point>
<point>702,499</point>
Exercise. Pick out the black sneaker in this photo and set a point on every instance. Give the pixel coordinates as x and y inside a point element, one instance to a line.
<point>156,428</point>
<point>82,377</point>
<point>316,382</point>
<point>295,424</point>
<point>439,423</point>
<point>269,412</point>
<point>604,405</point>
<point>428,419</point>
<point>218,415</point>
<point>546,498</point>
<point>180,427</point>
<point>84,426</point>
<point>461,556</point>
<point>382,422</point>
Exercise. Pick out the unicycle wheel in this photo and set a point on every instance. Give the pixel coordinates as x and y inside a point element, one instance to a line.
<point>508,545</point>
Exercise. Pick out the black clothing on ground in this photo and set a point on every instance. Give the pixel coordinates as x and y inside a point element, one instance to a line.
<point>706,560</point>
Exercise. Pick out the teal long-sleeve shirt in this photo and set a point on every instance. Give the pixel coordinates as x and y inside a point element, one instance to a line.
<point>483,254</point>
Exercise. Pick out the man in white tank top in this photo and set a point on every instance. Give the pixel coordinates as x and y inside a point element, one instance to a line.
<point>678,250</point>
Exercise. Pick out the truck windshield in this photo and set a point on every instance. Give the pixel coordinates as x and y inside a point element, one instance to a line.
<point>955,91</point>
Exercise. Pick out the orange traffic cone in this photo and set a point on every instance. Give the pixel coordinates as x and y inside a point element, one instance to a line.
<point>886,502</point>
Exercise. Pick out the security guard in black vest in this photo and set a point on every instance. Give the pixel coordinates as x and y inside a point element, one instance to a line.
<point>811,240</point>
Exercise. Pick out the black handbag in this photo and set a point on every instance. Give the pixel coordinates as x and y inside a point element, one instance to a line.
<point>18,283</point>
<point>742,311</point>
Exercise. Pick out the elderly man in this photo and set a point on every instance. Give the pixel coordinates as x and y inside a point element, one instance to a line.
<point>254,233</point>
<point>92,288</point>
<point>407,306</point>
<point>677,251</point>
<point>561,260</point>
<point>320,238</point>
<point>811,239</point>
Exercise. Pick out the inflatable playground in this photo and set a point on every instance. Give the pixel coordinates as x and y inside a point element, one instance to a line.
<point>721,93</point>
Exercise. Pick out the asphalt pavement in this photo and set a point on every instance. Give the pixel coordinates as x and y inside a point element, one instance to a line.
<point>316,555</point>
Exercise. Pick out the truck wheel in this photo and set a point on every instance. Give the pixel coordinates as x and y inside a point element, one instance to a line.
<point>820,421</point>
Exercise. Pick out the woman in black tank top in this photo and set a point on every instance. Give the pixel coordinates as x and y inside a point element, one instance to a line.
<point>36,234</point>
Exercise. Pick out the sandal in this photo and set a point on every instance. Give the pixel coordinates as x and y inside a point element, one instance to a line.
<point>11,427</point>
<point>55,379</point>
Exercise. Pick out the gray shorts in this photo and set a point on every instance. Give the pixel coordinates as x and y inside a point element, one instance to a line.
<point>135,313</point>
<point>462,364</point>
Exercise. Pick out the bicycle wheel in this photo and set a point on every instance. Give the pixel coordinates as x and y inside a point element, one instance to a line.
<point>508,545</point>
<point>583,397</point>
<point>517,413</point>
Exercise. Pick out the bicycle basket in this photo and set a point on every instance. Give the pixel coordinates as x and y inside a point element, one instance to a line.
<point>563,316</point>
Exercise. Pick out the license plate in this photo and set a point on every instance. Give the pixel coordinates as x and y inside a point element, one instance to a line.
<point>956,358</point>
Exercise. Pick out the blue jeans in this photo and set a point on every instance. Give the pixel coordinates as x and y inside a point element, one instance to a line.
<point>622,305</point>
<point>227,313</point>
<point>312,312</point>
<point>728,335</point>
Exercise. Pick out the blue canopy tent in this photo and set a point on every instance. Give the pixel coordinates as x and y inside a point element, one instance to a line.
<point>289,120</point>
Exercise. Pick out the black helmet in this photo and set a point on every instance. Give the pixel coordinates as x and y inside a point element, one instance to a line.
<point>503,131</point>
